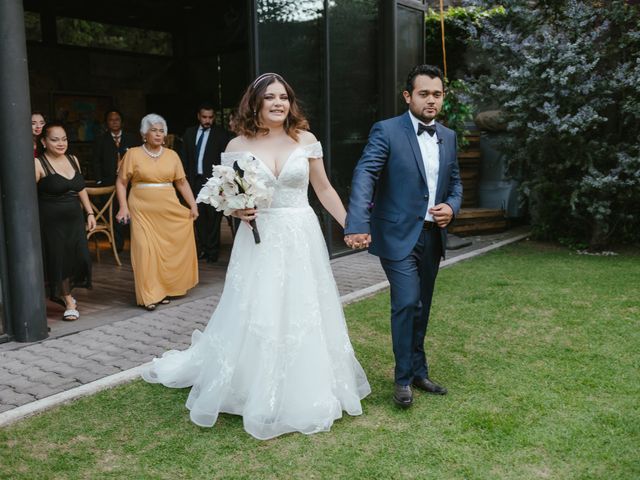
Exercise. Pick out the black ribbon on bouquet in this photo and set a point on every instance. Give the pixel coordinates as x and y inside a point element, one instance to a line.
<point>254,226</point>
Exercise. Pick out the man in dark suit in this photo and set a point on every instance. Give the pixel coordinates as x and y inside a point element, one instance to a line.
<point>108,151</point>
<point>202,145</point>
<point>411,163</point>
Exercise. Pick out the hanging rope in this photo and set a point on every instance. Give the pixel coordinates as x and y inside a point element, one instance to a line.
<point>444,50</point>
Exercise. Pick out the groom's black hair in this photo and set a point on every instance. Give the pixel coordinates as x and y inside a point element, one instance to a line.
<point>429,70</point>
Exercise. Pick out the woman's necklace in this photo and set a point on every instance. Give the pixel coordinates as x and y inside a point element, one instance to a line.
<point>151,154</point>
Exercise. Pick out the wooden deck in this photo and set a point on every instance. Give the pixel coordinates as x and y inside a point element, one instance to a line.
<point>113,298</point>
<point>472,220</point>
<point>476,221</point>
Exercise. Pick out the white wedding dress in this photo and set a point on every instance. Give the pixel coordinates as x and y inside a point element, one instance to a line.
<point>276,349</point>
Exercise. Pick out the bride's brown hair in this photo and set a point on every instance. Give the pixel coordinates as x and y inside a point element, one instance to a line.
<point>247,121</point>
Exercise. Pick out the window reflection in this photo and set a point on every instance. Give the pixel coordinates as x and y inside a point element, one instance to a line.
<point>292,41</point>
<point>410,31</point>
<point>287,11</point>
<point>354,92</point>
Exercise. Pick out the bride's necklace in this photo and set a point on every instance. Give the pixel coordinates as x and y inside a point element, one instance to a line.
<point>151,154</point>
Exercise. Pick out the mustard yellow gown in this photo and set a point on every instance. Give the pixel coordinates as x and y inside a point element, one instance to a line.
<point>163,247</point>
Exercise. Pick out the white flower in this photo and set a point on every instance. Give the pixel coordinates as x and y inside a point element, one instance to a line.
<point>249,165</point>
<point>210,192</point>
<point>227,174</point>
<point>236,202</point>
<point>227,191</point>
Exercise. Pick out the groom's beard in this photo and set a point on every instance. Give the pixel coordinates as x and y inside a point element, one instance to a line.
<point>423,116</point>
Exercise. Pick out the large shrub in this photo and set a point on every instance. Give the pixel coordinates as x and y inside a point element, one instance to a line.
<point>566,75</point>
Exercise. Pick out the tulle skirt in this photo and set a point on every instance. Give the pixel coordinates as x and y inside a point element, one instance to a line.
<point>276,350</point>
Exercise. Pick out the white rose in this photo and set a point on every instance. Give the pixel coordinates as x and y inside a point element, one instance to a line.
<point>248,164</point>
<point>222,171</point>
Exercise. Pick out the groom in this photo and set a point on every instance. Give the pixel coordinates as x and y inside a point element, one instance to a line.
<point>410,162</point>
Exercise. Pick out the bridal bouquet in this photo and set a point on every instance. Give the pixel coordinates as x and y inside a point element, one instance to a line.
<point>236,187</point>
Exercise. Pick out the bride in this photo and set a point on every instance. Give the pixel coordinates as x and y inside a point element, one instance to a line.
<point>276,350</point>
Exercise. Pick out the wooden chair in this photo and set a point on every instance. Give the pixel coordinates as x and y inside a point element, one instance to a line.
<point>104,218</point>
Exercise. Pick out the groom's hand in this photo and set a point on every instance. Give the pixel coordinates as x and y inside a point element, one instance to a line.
<point>357,240</point>
<point>442,214</point>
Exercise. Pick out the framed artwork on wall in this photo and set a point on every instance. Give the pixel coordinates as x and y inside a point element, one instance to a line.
<point>82,114</point>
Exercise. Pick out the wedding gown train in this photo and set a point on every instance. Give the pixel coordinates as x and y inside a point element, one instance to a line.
<point>276,350</point>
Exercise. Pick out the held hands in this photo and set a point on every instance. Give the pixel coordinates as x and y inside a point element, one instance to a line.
<point>442,214</point>
<point>246,215</point>
<point>357,240</point>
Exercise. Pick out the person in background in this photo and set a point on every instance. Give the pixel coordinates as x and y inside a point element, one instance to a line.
<point>110,147</point>
<point>163,249</point>
<point>37,122</point>
<point>108,151</point>
<point>62,198</point>
<point>201,149</point>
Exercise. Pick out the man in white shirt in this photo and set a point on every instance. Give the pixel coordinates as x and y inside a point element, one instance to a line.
<point>202,145</point>
<point>410,162</point>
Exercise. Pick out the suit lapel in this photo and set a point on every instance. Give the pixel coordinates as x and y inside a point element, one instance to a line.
<point>413,141</point>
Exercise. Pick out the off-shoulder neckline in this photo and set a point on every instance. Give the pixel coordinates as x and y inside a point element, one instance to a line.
<point>266,167</point>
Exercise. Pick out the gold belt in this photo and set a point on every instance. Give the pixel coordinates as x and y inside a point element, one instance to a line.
<point>151,185</point>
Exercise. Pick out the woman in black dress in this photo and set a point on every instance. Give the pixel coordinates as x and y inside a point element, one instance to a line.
<point>62,198</point>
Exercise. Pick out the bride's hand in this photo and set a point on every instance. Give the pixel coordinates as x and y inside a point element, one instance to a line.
<point>245,214</point>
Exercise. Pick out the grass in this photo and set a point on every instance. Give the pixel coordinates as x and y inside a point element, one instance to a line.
<point>538,347</point>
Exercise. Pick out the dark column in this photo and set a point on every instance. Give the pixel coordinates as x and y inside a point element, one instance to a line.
<point>388,51</point>
<point>27,313</point>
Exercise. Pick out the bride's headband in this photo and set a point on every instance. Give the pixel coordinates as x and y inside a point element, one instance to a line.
<point>263,76</point>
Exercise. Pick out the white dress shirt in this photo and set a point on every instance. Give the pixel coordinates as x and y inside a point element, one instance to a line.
<point>430,151</point>
<point>202,131</point>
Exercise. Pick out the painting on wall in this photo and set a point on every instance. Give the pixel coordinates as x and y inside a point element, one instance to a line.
<point>82,114</point>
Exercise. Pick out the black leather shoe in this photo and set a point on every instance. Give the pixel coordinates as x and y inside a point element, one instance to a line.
<point>403,396</point>
<point>428,386</point>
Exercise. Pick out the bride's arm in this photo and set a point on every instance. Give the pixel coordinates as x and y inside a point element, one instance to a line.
<point>325,192</point>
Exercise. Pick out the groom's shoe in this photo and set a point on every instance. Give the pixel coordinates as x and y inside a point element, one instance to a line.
<point>403,396</point>
<point>428,386</point>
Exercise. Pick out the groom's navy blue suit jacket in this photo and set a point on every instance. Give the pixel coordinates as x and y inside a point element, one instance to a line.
<point>392,166</point>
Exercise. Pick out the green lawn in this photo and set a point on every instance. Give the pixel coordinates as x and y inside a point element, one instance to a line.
<point>538,346</point>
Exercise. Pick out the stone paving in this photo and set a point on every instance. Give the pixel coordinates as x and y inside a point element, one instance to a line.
<point>30,372</point>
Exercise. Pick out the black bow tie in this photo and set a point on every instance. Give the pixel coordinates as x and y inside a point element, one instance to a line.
<point>430,129</point>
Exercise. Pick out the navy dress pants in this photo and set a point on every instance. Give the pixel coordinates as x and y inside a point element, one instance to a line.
<point>412,280</point>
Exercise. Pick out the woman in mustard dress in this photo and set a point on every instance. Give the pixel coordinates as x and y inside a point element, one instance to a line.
<point>163,248</point>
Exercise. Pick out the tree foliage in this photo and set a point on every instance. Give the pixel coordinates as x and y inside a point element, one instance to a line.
<point>461,24</point>
<point>457,110</point>
<point>566,75</point>
<point>86,33</point>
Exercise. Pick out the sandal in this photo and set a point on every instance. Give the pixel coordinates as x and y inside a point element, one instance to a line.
<point>165,301</point>
<point>151,307</point>
<point>71,314</point>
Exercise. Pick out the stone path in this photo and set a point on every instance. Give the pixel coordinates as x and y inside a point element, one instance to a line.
<point>30,372</point>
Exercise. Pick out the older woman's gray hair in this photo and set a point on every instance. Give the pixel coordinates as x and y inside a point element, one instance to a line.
<point>151,119</point>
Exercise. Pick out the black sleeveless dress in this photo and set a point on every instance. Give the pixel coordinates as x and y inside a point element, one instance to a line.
<point>62,226</point>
